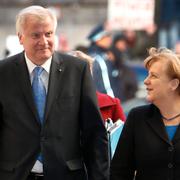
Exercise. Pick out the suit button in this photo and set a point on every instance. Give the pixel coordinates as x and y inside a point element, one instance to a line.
<point>170,149</point>
<point>170,165</point>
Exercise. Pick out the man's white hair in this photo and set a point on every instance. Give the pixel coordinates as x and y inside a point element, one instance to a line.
<point>38,12</point>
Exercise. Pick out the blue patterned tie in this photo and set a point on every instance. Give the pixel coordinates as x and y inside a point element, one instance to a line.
<point>39,92</point>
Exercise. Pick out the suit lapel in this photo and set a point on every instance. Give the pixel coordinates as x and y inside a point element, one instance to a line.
<point>22,75</point>
<point>157,125</point>
<point>56,71</point>
<point>176,136</point>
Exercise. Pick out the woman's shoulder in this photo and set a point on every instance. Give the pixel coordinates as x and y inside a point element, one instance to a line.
<point>144,109</point>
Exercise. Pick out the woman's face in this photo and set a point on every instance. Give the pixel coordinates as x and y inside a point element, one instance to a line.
<point>158,84</point>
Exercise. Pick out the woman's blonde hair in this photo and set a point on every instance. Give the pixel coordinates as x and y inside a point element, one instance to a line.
<point>166,56</point>
<point>84,56</point>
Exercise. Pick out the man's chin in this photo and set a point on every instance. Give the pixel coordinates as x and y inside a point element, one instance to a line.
<point>45,55</point>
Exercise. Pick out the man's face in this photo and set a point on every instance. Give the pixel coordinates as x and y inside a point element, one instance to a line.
<point>38,39</point>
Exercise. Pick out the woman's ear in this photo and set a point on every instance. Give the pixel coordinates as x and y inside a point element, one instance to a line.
<point>174,84</point>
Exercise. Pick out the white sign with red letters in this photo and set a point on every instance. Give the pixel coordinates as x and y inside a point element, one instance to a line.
<point>130,14</point>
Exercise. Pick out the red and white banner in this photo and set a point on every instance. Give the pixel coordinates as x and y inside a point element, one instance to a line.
<point>130,14</point>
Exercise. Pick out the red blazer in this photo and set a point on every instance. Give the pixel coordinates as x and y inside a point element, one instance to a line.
<point>110,107</point>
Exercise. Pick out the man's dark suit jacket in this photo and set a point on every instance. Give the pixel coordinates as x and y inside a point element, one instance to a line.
<point>72,140</point>
<point>144,146</point>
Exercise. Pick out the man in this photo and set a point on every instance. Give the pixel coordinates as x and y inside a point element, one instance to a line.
<point>50,126</point>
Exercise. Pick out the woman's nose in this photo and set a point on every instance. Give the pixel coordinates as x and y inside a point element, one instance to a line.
<point>146,80</point>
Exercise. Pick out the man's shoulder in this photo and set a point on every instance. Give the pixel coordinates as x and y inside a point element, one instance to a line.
<point>11,60</point>
<point>69,59</point>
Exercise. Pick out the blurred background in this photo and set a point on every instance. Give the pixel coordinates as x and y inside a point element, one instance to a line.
<point>76,18</point>
<point>144,23</point>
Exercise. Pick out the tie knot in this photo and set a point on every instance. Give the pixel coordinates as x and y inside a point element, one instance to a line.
<point>38,70</point>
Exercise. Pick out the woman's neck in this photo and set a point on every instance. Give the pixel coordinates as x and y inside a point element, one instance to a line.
<point>170,111</point>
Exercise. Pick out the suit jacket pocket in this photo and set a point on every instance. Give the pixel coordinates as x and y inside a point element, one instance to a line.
<point>74,164</point>
<point>7,166</point>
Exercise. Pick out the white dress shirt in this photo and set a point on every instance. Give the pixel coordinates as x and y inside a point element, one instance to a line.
<point>38,166</point>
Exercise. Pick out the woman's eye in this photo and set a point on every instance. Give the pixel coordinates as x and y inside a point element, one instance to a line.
<point>153,76</point>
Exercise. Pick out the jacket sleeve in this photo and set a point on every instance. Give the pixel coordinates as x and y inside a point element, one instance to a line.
<point>97,77</point>
<point>122,165</point>
<point>94,136</point>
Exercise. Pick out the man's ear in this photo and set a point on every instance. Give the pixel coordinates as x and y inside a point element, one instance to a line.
<point>20,38</point>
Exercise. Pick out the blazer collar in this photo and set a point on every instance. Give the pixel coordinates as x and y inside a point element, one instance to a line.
<point>56,71</point>
<point>22,75</point>
<point>156,123</point>
<point>176,136</point>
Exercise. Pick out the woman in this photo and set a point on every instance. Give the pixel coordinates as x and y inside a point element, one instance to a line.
<point>149,146</point>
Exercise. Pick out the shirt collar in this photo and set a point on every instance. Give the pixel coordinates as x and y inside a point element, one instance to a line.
<point>31,65</point>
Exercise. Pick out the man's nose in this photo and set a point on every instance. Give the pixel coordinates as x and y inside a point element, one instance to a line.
<point>43,40</point>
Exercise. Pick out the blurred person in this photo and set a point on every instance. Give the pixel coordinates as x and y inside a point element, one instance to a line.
<point>51,127</point>
<point>100,39</point>
<point>149,146</point>
<point>83,48</point>
<point>122,78</point>
<point>168,23</point>
<point>130,37</point>
<point>109,107</point>
<point>144,40</point>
